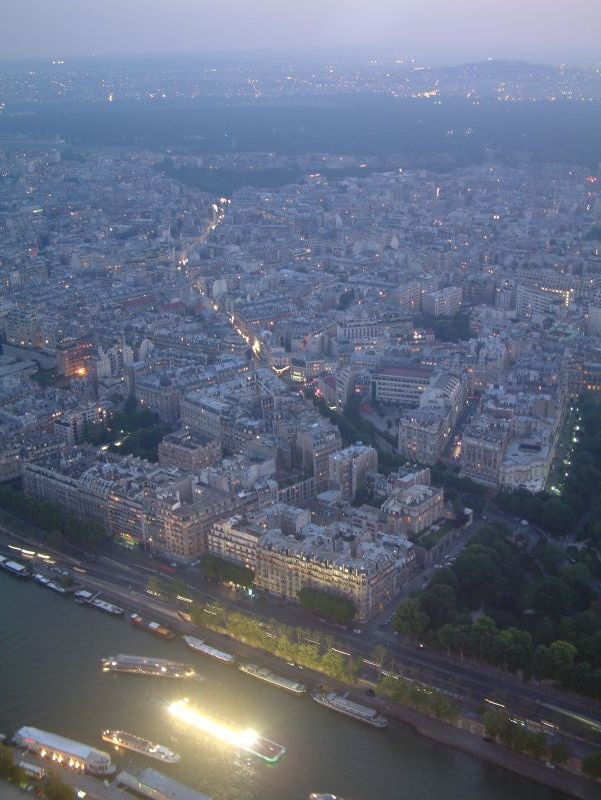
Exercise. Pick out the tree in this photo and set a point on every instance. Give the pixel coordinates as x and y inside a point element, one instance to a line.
<point>542,662</point>
<point>517,649</point>
<point>9,771</point>
<point>562,658</point>
<point>481,637</point>
<point>331,606</point>
<point>551,598</point>
<point>380,654</point>
<point>591,765</point>
<point>156,586</point>
<point>559,753</point>
<point>345,299</point>
<point>410,618</point>
<point>56,789</point>
<point>477,571</point>
<point>440,604</point>
<point>557,517</point>
<point>444,575</point>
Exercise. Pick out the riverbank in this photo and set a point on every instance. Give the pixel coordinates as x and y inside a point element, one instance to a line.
<point>441,732</point>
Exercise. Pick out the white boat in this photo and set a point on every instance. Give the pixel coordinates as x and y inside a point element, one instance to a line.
<point>107,608</point>
<point>141,665</point>
<point>89,599</point>
<point>199,646</point>
<point>14,567</point>
<point>264,674</point>
<point>349,708</point>
<point>129,741</point>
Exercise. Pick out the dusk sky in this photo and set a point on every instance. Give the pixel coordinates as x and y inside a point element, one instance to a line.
<point>440,29</point>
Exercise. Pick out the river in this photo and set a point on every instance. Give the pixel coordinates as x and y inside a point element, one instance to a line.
<point>50,651</point>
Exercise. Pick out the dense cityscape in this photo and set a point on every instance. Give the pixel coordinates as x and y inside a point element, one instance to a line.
<point>327,415</point>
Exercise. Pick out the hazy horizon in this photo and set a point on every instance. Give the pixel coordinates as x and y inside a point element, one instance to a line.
<point>431,30</point>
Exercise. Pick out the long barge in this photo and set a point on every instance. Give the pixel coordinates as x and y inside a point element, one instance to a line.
<point>48,584</point>
<point>14,567</point>
<point>89,599</point>
<point>152,627</point>
<point>264,674</point>
<point>129,741</point>
<point>200,646</point>
<point>349,708</point>
<point>64,752</point>
<point>141,665</point>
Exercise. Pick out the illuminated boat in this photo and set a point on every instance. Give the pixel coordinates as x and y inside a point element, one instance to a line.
<point>64,752</point>
<point>264,748</point>
<point>326,796</point>
<point>247,740</point>
<point>129,741</point>
<point>140,665</point>
<point>351,709</point>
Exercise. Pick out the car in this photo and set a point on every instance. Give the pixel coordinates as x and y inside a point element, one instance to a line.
<point>357,630</point>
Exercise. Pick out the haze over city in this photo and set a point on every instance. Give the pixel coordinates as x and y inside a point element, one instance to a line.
<point>434,29</point>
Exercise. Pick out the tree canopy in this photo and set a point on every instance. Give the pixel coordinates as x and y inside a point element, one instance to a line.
<point>495,605</point>
<point>330,606</point>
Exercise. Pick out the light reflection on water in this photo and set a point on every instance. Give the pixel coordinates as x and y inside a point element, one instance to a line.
<point>50,677</point>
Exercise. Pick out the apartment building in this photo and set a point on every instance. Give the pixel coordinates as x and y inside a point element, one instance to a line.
<point>483,448</point>
<point>400,386</point>
<point>443,302</point>
<point>369,579</point>
<point>188,451</point>
<point>423,435</point>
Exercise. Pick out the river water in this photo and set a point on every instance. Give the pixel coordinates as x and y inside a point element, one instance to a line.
<point>50,677</point>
